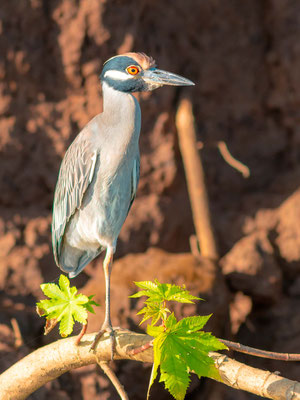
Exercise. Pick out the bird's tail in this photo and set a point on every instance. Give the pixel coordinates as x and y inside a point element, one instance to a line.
<point>74,260</point>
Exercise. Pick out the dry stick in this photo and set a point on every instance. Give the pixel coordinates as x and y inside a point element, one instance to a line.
<point>260,353</point>
<point>195,179</point>
<point>53,360</point>
<point>113,378</point>
<point>233,162</point>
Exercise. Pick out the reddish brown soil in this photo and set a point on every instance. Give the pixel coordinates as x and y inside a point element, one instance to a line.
<point>245,60</point>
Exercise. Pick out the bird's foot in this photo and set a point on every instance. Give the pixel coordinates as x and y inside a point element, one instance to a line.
<point>106,327</point>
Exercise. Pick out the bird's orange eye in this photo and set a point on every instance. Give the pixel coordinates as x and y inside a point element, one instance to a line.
<point>133,70</point>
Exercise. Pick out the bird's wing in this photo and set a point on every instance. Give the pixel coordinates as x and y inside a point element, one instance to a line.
<point>75,174</point>
<point>135,177</point>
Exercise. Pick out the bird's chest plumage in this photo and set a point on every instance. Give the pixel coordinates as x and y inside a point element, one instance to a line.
<point>107,200</point>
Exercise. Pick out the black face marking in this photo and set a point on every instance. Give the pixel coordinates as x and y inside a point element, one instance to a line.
<point>120,64</point>
<point>130,86</point>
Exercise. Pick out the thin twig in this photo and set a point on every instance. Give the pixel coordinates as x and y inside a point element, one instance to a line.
<point>260,353</point>
<point>81,333</point>
<point>233,162</point>
<point>113,378</point>
<point>195,179</point>
<point>140,349</point>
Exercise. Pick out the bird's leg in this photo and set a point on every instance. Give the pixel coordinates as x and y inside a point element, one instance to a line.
<point>106,326</point>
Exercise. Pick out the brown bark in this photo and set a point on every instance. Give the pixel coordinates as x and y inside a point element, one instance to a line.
<point>51,361</point>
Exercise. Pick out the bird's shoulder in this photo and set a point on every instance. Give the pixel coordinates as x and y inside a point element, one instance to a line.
<point>77,167</point>
<point>84,146</point>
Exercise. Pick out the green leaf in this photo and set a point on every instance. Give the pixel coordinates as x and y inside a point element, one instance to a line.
<point>155,331</point>
<point>80,314</point>
<point>180,348</point>
<point>155,311</point>
<point>154,370</point>
<point>147,285</point>
<point>173,371</point>
<point>64,284</point>
<point>179,294</point>
<point>52,290</point>
<point>192,324</point>
<point>66,323</point>
<point>81,299</point>
<point>65,305</point>
<point>158,294</point>
<point>91,303</point>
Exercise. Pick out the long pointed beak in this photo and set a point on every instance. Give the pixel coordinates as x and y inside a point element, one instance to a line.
<point>157,77</point>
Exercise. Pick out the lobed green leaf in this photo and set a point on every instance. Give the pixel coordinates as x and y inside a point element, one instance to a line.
<point>52,290</point>
<point>64,284</point>
<point>65,305</point>
<point>180,347</point>
<point>159,292</point>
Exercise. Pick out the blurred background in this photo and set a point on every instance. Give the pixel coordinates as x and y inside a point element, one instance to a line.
<point>245,60</point>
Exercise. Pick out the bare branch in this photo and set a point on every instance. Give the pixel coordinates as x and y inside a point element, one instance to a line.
<point>114,380</point>
<point>241,348</point>
<point>195,180</point>
<point>262,383</point>
<point>260,353</point>
<point>53,360</point>
<point>49,362</point>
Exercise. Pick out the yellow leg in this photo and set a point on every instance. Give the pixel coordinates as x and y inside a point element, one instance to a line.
<point>106,326</point>
<point>107,266</point>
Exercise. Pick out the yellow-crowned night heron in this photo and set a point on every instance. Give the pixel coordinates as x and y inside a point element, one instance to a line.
<point>99,174</point>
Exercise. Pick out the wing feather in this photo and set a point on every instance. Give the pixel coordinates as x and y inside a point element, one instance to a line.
<point>75,174</point>
<point>135,177</point>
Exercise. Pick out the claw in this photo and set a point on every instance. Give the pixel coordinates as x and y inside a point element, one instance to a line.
<point>109,329</point>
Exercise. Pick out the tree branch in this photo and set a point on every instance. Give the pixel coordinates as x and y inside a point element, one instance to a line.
<point>53,360</point>
<point>113,378</point>
<point>271,355</point>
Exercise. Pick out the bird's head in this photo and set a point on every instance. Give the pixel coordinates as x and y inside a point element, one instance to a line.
<point>136,72</point>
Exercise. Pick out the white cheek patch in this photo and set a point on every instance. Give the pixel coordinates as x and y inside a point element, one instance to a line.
<point>117,75</point>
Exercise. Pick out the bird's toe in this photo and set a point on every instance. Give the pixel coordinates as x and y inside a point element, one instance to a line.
<point>109,329</point>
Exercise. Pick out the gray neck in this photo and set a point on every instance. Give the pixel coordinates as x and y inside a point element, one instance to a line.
<point>120,124</point>
<point>119,107</point>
